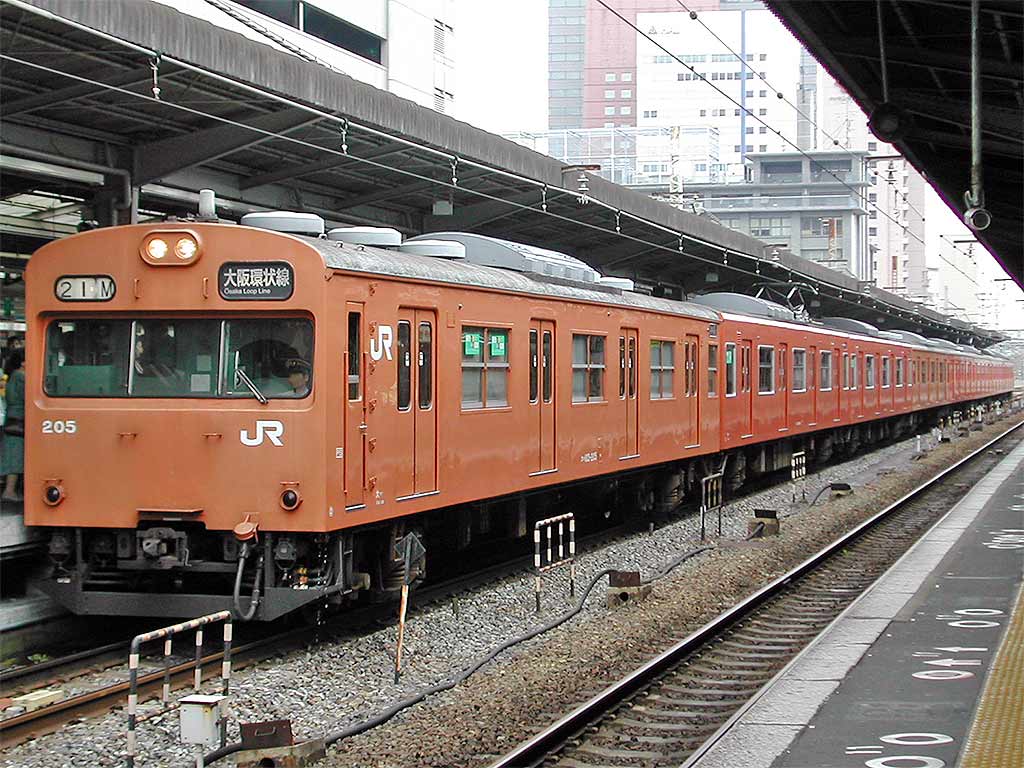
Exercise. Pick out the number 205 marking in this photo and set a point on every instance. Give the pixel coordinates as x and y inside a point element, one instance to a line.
<point>68,427</point>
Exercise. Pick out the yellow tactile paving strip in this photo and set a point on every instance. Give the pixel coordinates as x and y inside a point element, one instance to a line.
<point>996,739</point>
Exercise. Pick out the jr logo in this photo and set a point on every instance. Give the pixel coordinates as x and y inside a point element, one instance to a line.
<point>271,430</point>
<point>381,346</point>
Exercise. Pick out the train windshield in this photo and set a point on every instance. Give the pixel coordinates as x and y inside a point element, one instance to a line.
<point>162,357</point>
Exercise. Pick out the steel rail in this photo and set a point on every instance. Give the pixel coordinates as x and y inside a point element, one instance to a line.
<point>539,747</point>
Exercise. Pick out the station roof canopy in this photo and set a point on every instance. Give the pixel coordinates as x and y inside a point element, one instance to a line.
<point>272,129</point>
<point>928,66</point>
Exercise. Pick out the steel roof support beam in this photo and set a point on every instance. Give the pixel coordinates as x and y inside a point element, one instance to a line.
<point>334,163</point>
<point>159,158</point>
<point>81,90</point>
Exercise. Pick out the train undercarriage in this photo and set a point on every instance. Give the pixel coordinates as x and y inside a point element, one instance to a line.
<point>175,568</point>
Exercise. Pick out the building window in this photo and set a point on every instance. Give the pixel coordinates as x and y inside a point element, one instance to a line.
<point>765,370</point>
<point>899,371</point>
<point>769,226</point>
<point>762,94</point>
<point>587,368</point>
<point>736,148</point>
<point>662,369</point>
<point>609,94</point>
<point>885,372</point>
<point>872,231</point>
<point>869,372</point>
<point>762,147</point>
<point>484,367</point>
<point>625,110</point>
<point>627,77</point>
<point>762,129</point>
<point>872,197</point>
<point>825,377</point>
<point>628,94</point>
<point>750,147</point>
<point>703,113</point>
<point>750,129</point>
<point>817,226</point>
<point>762,112</point>
<point>609,77</point>
<point>730,370</point>
<point>712,370</point>
<point>873,213</point>
<point>799,370</point>
<point>609,110</point>
<point>650,113</point>
<point>750,94</point>
<point>337,32</point>
<point>735,113</point>
<point>872,146</point>
<point>762,57</point>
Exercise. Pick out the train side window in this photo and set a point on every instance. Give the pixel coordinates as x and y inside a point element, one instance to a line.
<point>622,367</point>
<point>354,354</point>
<point>765,370</point>
<point>799,370</point>
<point>846,370</point>
<point>825,378</point>
<point>534,365</point>
<point>404,365</point>
<point>484,367</point>
<point>869,372</point>
<point>588,368</point>
<point>712,370</point>
<point>854,381</point>
<point>886,372</point>
<point>730,370</point>
<point>899,371</point>
<point>631,365</point>
<point>548,363</point>
<point>663,368</point>
<point>745,370</point>
<point>425,362</point>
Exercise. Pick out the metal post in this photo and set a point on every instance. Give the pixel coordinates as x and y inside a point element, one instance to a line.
<point>198,680</point>
<point>165,693</point>
<point>225,675</point>
<point>572,557</point>
<point>133,699</point>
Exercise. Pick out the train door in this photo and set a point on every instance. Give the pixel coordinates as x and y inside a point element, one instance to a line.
<point>354,439</point>
<point>416,438</point>
<point>783,385</point>
<point>628,346</point>
<point>542,396</point>
<point>690,389</point>
<point>746,401</point>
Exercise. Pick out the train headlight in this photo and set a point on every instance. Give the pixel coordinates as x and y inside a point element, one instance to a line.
<point>171,247</point>
<point>290,499</point>
<point>186,248</point>
<point>156,248</point>
<point>53,495</point>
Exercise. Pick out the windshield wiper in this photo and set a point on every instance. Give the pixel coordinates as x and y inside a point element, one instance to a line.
<point>240,374</point>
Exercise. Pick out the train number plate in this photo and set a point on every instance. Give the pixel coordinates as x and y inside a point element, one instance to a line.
<point>85,288</point>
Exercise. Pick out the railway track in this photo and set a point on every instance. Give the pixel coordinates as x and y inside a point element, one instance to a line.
<point>662,712</point>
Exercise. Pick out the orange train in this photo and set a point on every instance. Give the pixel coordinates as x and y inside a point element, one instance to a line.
<point>250,416</point>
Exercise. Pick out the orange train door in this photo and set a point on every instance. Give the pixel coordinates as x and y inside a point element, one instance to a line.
<point>746,403</point>
<point>416,436</point>
<point>354,440</point>
<point>690,390</point>
<point>628,356</point>
<point>542,395</point>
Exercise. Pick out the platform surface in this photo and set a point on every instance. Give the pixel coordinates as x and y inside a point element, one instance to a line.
<point>895,682</point>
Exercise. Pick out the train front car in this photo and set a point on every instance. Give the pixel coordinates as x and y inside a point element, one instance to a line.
<point>176,427</point>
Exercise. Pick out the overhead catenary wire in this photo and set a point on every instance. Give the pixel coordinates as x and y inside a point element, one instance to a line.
<point>678,236</point>
<point>697,17</point>
<point>344,123</point>
<point>767,125</point>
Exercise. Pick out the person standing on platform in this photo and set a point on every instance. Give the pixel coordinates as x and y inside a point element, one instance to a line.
<point>14,425</point>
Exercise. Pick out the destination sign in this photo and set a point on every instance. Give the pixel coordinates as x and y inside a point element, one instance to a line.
<point>256,280</point>
<point>85,288</point>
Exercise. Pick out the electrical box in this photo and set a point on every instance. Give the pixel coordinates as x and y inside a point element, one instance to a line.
<point>200,719</point>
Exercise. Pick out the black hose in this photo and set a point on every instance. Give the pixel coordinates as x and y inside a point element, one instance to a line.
<point>451,682</point>
<point>254,598</point>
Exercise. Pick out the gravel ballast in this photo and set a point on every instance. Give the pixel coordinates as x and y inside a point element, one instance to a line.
<point>341,683</point>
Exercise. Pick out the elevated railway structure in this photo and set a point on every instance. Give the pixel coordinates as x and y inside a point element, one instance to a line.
<point>124,110</point>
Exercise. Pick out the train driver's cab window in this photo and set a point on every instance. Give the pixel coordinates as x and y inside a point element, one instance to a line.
<point>825,377</point>
<point>712,370</point>
<point>799,370</point>
<point>484,367</point>
<point>662,369</point>
<point>730,370</point>
<point>269,358</point>
<point>588,363</point>
<point>765,370</point>
<point>87,358</point>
